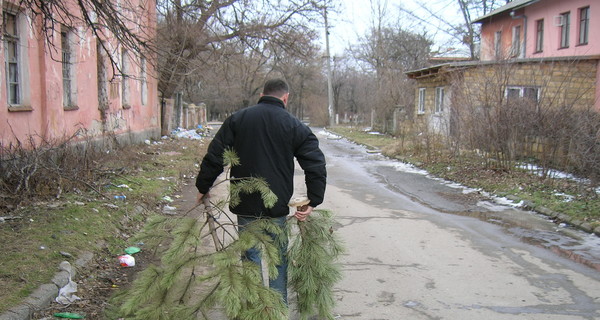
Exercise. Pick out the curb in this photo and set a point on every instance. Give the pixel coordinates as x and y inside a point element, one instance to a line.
<point>582,225</point>
<point>43,296</point>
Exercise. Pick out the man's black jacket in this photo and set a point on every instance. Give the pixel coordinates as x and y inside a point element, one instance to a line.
<point>266,138</point>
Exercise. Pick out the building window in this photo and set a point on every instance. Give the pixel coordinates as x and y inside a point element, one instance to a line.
<point>12,58</point>
<point>144,81</point>
<point>67,67</point>
<point>498,44</point>
<point>421,101</point>
<point>539,35</point>
<point>584,25</point>
<point>516,41</point>
<point>125,78</point>
<point>565,23</point>
<point>439,99</point>
<point>517,94</point>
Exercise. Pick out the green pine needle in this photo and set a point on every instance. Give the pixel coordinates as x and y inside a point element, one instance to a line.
<point>230,158</point>
<point>313,271</point>
<point>180,289</point>
<point>248,186</point>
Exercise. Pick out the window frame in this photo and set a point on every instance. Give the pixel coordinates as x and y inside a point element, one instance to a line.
<point>143,81</point>
<point>69,74</point>
<point>515,48</point>
<point>498,44</point>
<point>125,87</point>
<point>440,94</point>
<point>522,90</point>
<point>565,29</point>
<point>584,26</point>
<point>421,101</point>
<point>12,65</point>
<point>539,36</point>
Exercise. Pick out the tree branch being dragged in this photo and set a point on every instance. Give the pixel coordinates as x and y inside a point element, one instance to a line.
<point>195,278</point>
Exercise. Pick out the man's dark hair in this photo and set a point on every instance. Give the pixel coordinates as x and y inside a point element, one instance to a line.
<point>276,88</point>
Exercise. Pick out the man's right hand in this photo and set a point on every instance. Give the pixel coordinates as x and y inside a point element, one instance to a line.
<point>302,213</point>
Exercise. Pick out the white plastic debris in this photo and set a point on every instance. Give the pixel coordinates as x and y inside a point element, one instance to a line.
<point>66,294</point>
<point>169,210</point>
<point>127,260</point>
<point>187,134</point>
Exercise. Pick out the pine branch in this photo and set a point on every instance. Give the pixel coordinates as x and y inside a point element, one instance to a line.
<point>141,292</point>
<point>186,234</point>
<point>165,292</point>
<point>230,158</point>
<point>312,270</point>
<point>249,186</point>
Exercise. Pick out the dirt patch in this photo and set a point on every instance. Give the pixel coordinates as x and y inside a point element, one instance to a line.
<point>103,277</point>
<point>96,283</point>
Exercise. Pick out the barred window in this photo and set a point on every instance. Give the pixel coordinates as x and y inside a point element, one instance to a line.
<point>67,67</point>
<point>125,78</point>
<point>144,81</point>
<point>12,58</point>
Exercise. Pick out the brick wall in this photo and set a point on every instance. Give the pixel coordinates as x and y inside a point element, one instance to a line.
<point>559,82</point>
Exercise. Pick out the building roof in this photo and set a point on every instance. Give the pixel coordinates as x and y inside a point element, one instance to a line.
<point>514,5</point>
<point>448,67</point>
<point>426,72</point>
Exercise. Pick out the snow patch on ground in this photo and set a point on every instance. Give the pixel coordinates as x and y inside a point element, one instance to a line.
<point>499,203</point>
<point>329,135</point>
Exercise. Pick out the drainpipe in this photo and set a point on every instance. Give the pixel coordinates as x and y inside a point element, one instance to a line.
<point>524,17</point>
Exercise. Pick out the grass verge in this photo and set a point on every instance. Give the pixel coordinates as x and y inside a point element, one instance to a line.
<point>39,235</point>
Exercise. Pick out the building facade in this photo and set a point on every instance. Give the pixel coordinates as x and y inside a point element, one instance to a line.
<point>538,52</point>
<point>540,29</point>
<point>71,82</point>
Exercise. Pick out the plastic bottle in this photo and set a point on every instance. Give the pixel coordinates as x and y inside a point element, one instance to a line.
<point>120,197</point>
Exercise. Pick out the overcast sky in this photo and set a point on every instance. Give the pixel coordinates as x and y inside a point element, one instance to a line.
<point>354,19</point>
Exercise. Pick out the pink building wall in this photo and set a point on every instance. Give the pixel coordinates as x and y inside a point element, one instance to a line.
<point>503,23</point>
<point>547,10</point>
<point>527,18</point>
<point>42,113</point>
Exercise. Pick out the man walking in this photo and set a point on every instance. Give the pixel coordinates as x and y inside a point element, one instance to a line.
<point>267,138</point>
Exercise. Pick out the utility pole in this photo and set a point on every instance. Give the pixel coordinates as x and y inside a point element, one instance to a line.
<point>329,85</point>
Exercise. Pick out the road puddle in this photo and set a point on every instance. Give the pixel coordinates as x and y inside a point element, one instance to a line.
<point>539,230</point>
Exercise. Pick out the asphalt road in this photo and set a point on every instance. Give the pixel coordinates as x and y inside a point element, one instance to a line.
<point>419,248</point>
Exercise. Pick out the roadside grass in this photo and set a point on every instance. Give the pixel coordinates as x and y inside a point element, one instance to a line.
<point>559,195</point>
<point>49,231</point>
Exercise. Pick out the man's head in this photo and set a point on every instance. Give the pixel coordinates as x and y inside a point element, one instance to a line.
<point>277,88</point>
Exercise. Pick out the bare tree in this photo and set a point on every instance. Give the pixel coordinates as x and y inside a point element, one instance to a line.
<point>121,21</point>
<point>299,61</point>
<point>190,29</point>
<point>387,52</point>
<point>463,32</point>
<point>231,76</point>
